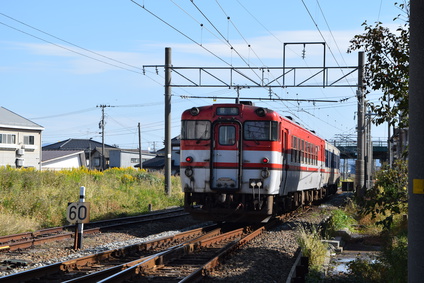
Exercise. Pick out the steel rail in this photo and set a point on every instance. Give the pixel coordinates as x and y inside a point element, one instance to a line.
<point>159,261</point>
<point>30,239</point>
<point>85,262</point>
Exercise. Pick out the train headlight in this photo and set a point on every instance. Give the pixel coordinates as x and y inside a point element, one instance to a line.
<point>189,159</point>
<point>260,112</point>
<point>265,160</point>
<point>194,111</point>
<point>265,173</point>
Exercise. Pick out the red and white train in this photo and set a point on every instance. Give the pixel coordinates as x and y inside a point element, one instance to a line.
<point>240,162</point>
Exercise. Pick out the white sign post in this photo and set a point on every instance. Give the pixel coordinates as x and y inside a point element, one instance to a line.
<point>79,213</point>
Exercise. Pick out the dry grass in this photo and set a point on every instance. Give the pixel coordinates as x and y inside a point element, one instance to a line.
<point>12,224</point>
<point>38,199</point>
<point>312,247</point>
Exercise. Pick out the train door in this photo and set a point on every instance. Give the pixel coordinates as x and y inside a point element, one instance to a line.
<point>226,156</point>
<point>284,161</point>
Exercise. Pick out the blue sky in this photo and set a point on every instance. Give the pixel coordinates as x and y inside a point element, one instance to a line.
<point>61,59</point>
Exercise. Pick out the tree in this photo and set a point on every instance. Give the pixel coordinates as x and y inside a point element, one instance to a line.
<point>387,68</point>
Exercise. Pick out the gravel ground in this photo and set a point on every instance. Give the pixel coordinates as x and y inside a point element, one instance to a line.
<point>268,258</point>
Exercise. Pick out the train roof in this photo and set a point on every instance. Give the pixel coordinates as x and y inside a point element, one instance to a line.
<point>204,111</point>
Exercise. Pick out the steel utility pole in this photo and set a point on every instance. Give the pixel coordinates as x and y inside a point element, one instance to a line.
<point>360,162</point>
<point>416,141</point>
<point>168,146</point>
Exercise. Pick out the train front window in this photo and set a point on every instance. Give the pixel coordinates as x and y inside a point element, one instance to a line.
<point>195,130</point>
<point>261,130</point>
<point>227,135</point>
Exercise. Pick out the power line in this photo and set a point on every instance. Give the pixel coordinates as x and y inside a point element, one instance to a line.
<point>69,49</point>
<point>70,43</point>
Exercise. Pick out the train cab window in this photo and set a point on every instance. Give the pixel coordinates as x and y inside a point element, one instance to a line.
<point>260,130</point>
<point>195,130</point>
<point>227,135</point>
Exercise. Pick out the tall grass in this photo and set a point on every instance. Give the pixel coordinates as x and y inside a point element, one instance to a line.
<point>41,197</point>
<point>312,247</point>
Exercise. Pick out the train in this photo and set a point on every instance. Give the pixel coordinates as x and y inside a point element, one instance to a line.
<point>244,163</point>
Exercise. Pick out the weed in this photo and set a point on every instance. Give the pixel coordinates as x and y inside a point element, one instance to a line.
<point>312,247</point>
<point>339,220</point>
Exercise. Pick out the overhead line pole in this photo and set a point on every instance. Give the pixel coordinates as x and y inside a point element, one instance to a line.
<point>168,146</point>
<point>140,155</point>
<point>360,162</point>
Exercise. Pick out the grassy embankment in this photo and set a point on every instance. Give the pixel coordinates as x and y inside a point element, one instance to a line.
<point>32,200</point>
<point>381,218</point>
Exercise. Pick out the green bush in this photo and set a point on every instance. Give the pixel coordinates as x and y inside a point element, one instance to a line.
<point>389,196</point>
<point>389,266</point>
<point>339,220</point>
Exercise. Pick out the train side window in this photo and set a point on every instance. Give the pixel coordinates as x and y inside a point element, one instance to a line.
<point>195,130</point>
<point>227,135</point>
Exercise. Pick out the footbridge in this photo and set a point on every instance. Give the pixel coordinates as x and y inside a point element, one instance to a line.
<point>348,149</point>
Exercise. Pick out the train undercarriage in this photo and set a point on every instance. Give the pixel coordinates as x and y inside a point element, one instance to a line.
<point>234,207</point>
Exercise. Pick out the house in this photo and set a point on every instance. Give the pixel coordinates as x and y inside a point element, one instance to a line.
<point>158,163</point>
<point>94,151</point>
<point>20,141</point>
<point>128,157</point>
<point>62,159</point>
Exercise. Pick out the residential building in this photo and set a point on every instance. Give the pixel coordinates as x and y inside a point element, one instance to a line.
<point>20,141</point>
<point>128,157</point>
<point>158,163</point>
<point>97,156</point>
<point>62,159</point>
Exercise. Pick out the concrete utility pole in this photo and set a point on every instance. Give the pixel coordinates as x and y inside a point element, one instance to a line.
<point>416,142</point>
<point>168,146</point>
<point>360,162</point>
<point>102,127</point>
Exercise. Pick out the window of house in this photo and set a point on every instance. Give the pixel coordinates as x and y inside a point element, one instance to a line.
<point>8,138</point>
<point>29,140</point>
<point>135,160</point>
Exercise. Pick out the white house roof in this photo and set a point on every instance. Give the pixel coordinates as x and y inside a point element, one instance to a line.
<point>49,155</point>
<point>9,119</point>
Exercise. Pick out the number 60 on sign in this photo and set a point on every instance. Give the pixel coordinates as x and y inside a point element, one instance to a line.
<point>78,212</point>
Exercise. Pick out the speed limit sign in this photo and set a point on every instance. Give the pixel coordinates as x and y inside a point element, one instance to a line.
<point>78,212</point>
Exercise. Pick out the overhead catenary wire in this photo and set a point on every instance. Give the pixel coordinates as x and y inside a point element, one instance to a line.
<point>180,32</point>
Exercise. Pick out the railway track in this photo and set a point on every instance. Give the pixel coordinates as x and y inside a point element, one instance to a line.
<point>30,239</point>
<point>184,257</point>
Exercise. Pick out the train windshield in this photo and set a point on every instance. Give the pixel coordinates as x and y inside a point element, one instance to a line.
<point>196,130</point>
<point>261,130</point>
